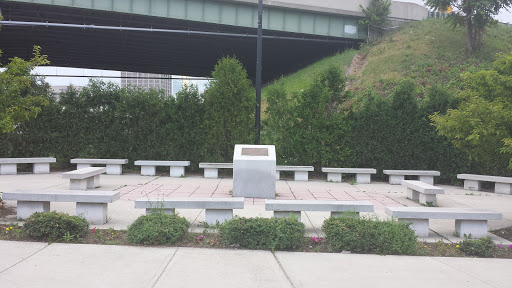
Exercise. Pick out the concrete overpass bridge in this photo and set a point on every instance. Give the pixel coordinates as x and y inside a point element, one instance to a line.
<point>185,37</point>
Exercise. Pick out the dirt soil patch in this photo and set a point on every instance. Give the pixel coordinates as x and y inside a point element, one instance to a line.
<point>505,233</point>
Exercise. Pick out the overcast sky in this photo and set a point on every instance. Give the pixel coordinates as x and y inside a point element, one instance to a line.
<point>504,16</point>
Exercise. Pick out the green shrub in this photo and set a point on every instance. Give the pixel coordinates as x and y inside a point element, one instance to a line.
<point>157,228</point>
<point>483,247</point>
<point>368,235</point>
<point>263,233</point>
<point>52,226</point>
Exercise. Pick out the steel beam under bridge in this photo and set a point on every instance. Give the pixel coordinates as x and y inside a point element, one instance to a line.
<point>191,55</point>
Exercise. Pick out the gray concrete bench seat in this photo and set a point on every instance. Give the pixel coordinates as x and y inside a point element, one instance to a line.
<point>216,209</point>
<point>92,205</point>
<point>421,191</point>
<point>362,174</point>
<point>114,166</point>
<point>397,176</point>
<point>467,221</point>
<point>283,208</point>
<point>83,179</point>
<point>148,167</point>
<point>301,172</point>
<point>41,165</point>
<point>211,170</point>
<point>503,185</point>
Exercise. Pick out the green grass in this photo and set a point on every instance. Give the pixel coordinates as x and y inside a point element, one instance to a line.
<point>299,80</point>
<point>429,52</point>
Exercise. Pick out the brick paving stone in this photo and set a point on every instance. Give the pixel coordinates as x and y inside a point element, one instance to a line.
<point>200,195</point>
<point>330,199</point>
<point>221,196</point>
<point>179,195</point>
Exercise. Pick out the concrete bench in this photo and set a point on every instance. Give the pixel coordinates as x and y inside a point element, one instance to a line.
<point>467,221</point>
<point>8,166</point>
<point>421,191</point>
<point>301,172</point>
<point>397,176</point>
<point>83,179</point>
<point>503,185</point>
<point>114,166</point>
<point>217,209</point>
<point>148,167</point>
<point>211,170</point>
<point>283,208</point>
<point>92,205</point>
<point>362,174</point>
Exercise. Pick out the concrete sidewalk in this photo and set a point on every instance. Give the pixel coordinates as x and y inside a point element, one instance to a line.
<point>27,264</point>
<point>133,186</point>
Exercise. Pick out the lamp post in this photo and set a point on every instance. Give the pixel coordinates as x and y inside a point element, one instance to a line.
<point>258,71</point>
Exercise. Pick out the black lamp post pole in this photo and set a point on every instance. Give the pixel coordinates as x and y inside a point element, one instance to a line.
<point>258,72</point>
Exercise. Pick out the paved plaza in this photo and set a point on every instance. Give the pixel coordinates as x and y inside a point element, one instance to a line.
<point>27,264</point>
<point>133,186</point>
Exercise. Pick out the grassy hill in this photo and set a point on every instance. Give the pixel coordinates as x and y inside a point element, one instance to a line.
<point>429,52</point>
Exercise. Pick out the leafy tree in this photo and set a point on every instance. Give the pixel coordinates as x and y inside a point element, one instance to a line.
<point>279,123</point>
<point>320,129</point>
<point>229,110</point>
<point>377,13</point>
<point>188,121</point>
<point>482,124</point>
<point>19,91</point>
<point>474,15</point>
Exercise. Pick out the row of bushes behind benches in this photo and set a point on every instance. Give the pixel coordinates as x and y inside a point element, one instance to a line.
<point>314,127</point>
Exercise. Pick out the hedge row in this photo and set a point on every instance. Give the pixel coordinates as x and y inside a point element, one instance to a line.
<point>322,126</point>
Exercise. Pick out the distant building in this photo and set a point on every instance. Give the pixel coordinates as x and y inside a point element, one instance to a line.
<point>148,81</point>
<point>57,90</point>
<point>177,86</point>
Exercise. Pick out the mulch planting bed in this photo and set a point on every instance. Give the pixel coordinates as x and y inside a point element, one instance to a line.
<point>212,240</point>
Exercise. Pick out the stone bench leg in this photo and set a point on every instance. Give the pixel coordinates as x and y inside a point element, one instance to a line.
<point>301,176</point>
<point>82,166</point>
<point>503,188</point>
<point>334,177</point>
<point>169,211</point>
<point>26,208</point>
<point>114,169</point>
<point>424,198</point>
<point>420,226</point>
<point>472,185</point>
<point>212,173</point>
<point>93,182</point>
<point>426,179</point>
<point>341,214</point>
<point>278,175</point>
<point>396,179</point>
<point>148,170</point>
<point>212,216</point>
<point>8,169</point>
<point>41,168</point>
<point>413,195</point>
<point>285,214</point>
<point>477,228</point>
<point>94,213</point>
<point>177,171</point>
<point>78,184</point>
<point>363,178</point>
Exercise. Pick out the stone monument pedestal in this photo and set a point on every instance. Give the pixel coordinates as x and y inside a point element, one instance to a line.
<point>254,171</point>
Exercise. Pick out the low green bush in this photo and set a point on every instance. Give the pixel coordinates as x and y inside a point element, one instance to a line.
<point>263,233</point>
<point>483,247</point>
<point>52,226</point>
<point>157,228</point>
<point>369,235</point>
